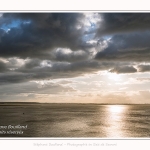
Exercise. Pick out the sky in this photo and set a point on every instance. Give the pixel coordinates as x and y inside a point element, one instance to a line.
<point>75,57</point>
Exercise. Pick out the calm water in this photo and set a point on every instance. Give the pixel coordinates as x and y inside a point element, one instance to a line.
<point>78,120</point>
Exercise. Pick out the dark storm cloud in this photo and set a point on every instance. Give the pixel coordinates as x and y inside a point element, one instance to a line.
<point>112,23</point>
<point>127,47</point>
<point>124,69</point>
<point>41,34</point>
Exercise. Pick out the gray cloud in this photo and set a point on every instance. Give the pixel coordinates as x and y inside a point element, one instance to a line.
<point>64,69</point>
<point>32,63</point>
<point>124,69</point>
<point>14,77</point>
<point>36,69</point>
<point>3,67</point>
<point>69,56</point>
<point>144,68</point>
<point>127,47</point>
<point>31,90</point>
<point>112,23</point>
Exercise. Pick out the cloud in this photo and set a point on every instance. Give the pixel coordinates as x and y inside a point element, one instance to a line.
<point>144,68</point>
<point>134,47</point>
<point>50,46</point>
<point>43,33</point>
<point>113,98</point>
<point>32,63</point>
<point>68,55</point>
<point>14,77</point>
<point>3,67</point>
<point>54,70</point>
<point>31,90</point>
<point>112,23</point>
<point>124,69</point>
<point>143,79</point>
<point>36,69</point>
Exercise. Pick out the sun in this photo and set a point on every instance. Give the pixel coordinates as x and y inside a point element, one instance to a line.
<point>114,76</point>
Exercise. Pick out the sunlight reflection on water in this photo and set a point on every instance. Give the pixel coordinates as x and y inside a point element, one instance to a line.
<point>115,120</point>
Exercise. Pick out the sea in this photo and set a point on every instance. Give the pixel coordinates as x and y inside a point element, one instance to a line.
<point>74,120</point>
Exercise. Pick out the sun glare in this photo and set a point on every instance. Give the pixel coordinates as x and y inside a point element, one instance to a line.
<point>116,109</point>
<point>114,76</point>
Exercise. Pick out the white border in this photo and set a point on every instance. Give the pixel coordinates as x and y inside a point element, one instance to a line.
<point>77,5</point>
